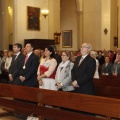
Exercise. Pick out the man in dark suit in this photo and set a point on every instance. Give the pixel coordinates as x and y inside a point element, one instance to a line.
<point>15,66</point>
<point>57,56</point>
<point>28,73</point>
<point>83,71</point>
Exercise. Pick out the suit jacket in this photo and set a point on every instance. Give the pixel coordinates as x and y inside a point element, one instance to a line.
<point>83,74</point>
<point>65,77</point>
<point>30,71</point>
<point>58,59</point>
<point>107,69</point>
<point>15,68</point>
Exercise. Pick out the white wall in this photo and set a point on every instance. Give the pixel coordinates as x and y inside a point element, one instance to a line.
<point>20,19</point>
<point>68,21</point>
<point>92,22</point>
<point>119,23</point>
<point>0,25</point>
<point>105,23</point>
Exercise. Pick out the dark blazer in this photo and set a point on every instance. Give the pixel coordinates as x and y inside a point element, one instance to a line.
<point>58,59</point>
<point>30,71</point>
<point>84,74</point>
<point>107,69</point>
<point>15,67</point>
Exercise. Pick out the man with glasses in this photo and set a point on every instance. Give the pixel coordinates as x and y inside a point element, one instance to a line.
<point>83,71</point>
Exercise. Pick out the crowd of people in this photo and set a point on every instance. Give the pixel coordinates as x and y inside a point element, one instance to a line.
<point>63,71</point>
<point>50,62</point>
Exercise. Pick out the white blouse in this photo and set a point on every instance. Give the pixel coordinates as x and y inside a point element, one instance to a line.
<point>8,62</point>
<point>51,63</point>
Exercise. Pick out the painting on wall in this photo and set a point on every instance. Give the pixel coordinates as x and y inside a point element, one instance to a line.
<point>67,38</point>
<point>33,18</point>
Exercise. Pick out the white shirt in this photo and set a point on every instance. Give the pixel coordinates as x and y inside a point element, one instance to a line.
<point>17,55</point>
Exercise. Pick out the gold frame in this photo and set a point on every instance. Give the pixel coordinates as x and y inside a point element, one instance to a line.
<point>33,18</point>
<point>67,38</point>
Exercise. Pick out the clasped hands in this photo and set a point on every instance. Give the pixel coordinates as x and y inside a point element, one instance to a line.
<point>22,78</point>
<point>74,83</point>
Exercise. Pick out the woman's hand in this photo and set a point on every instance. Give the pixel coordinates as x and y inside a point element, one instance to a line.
<point>38,77</point>
<point>40,82</point>
<point>59,85</point>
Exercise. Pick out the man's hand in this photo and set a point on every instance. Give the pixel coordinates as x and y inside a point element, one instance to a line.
<point>10,77</point>
<point>74,83</point>
<point>22,78</point>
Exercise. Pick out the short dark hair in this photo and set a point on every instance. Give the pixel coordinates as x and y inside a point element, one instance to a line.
<point>32,45</point>
<point>51,49</point>
<point>18,45</point>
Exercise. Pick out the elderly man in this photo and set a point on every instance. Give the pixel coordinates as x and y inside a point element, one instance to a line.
<point>83,71</point>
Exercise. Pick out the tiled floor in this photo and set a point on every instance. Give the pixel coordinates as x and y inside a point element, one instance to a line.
<point>5,116</point>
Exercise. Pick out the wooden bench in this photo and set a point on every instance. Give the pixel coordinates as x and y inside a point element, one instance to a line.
<point>108,86</point>
<point>109,77</point>
<point>108,107</point>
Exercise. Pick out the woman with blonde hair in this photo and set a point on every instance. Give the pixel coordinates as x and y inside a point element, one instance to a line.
<point>63,75</point>
<point>94,55</point>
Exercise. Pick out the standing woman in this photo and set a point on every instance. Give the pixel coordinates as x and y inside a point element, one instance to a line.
<point>63,75</point>
<point>47,70</point>
<point>94,55</point>
<point>8,60</point>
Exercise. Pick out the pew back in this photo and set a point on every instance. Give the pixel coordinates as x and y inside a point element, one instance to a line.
<point>108,86</point>
<point>93,104</point>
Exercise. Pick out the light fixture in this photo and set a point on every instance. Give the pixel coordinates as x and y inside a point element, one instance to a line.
<point>45,11</point>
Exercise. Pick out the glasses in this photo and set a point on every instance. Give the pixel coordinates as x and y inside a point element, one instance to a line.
<point>84,47</point>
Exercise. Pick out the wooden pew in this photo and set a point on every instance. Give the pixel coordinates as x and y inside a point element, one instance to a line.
<point>107,82</point>
<point>109,77</point>
<point>108,86</point>
<point>108,107</point>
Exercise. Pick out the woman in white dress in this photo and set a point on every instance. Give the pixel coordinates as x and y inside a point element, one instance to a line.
<point>94,55</point>
<point>47,70</point>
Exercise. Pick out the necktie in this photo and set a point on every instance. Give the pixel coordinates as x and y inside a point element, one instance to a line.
<point>80,60</point>
<point>26,58</point>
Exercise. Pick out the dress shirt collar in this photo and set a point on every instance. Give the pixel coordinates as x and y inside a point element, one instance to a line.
<point>17,54</point>
<point>84,56</point>
<point>29,54</point>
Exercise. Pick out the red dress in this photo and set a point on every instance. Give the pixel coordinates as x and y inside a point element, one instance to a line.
<point>43,69</point>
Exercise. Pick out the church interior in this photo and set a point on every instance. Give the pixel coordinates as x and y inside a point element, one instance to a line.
<point>66,24</point>
<point>96,22</point>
